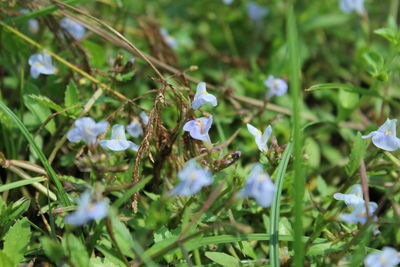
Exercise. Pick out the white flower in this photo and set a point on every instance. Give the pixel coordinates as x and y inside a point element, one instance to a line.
<point>192,179</point>
<point>203,97</point>
<point>259,186</point>
<point>348,6</point>
<point>118,140</point>
<point>276,86</point>
<point>385,137</point>
<point>134,128</point>
<point>74,28</point>
<point>388,257</point>
<point>144,117</point>
<point>41,64</point>
<point>355,196</point>
<point>260,138</point>
<point>86,129</point>
<point>87,211</point>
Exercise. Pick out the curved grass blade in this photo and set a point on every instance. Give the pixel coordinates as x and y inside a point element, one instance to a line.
<point>276,205</point>
<point>17,184</point>
<point>61,195</point>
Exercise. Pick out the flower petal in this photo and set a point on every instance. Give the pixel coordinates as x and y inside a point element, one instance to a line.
<point>386,141</point>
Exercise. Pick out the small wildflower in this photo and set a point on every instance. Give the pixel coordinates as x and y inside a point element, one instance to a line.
<point>199,128</point>
<point>203,97</point>
<point>144,117</point>
<point>41,64</point>
<point>135,128</point>
<point>192,179</point>
<point>385,137</point>
<point>171,41</point>
<point>87,211</point>
<point>355,196</point>
<point>256,12</point>
<point>359,213</point>
<point>86,129</point>
<point>259,186</point>
<point>33,24</point>
<point>74,28</point>
<point>118,140</point>
<point>260,138</point>
<point>348,6</point>
<point>276,86</point>
<point>227,2</point>
<point>388,257</point>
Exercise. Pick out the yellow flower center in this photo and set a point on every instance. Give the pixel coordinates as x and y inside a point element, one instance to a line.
<point>204,93</point>
<point>193,176</point>
<point>262,177</point>
<point>259,131</point>
<point>388,132</point>
<point>38,64</point>
<point>118,138</point>
<point>90,207</point>
<point>362,214</point>
<point>382,259</point>
<point>200,123</point>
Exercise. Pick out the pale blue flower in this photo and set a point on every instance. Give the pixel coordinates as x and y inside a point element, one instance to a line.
<point>260,138</point>
<point>169,40</point>
<point>203,97</point>
<point>192,179</point>
<point>87,211</point>
<point>256,12</point>
<point>348,6</point>
<point>41,64</point>
<point>199,128</point>
<point>74,28</point>
<point>388,257</point>
<point>33,24</point>
<point>276,86</point>
<point>86,129</point>
<point>118,140</point>
<point>227,2</point>
<point>135,128</point>
<point>144,117</point>
<point>359,213</point>
<point>354,197</point>
<point>385,137</point>
<point>259,186</point>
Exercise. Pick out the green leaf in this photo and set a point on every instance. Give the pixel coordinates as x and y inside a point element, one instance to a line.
<point>389,34</point>
<point>52,249</point>
<point>357,153</point>
<point>77,251</point>
<point>5,261</point>
<point>17,240</point>
<point>222,258</point>
<point>45,101</point>
<point>40,111</point>
<point>123,236</point>
<point>71,95</point>
<point>20,183</point>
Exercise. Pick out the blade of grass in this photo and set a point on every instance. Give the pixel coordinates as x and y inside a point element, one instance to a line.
<point>61,195</point>
<point>298,180</point>
<point>17,184</point>
<point>276,205</point>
